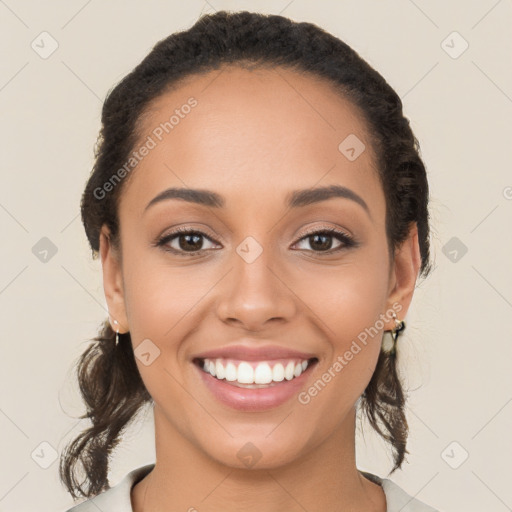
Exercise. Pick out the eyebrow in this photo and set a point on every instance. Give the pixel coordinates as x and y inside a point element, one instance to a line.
<point>294,199</point>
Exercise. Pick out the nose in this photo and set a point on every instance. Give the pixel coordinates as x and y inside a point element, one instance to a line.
<point>255,293</point>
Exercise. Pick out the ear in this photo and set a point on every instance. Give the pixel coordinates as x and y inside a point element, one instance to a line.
<point>404,273</point>
<point>113,282</point>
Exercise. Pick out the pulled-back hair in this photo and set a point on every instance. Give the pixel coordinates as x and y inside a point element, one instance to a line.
<point>111,386</point>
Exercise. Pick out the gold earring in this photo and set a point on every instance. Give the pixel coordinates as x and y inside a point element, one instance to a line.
<point>395,332</point>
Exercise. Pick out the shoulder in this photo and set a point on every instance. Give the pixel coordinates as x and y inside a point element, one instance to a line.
<point>117,498</point>
<point>397,499</point>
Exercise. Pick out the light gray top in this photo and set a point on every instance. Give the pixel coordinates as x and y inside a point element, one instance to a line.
<point>117,498</point>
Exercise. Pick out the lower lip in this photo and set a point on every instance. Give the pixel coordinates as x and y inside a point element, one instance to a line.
<point>246,399</point>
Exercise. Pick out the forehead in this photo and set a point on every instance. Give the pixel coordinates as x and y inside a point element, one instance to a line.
<point>252,134</point>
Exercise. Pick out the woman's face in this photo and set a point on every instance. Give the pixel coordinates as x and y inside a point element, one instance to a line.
<point>252,275</point>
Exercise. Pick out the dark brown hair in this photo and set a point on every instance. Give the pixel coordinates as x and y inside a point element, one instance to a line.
<point>109,380</point>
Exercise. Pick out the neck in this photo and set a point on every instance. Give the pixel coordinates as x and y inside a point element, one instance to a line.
<point>325,477</point>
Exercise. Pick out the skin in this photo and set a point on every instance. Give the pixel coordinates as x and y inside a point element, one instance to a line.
<point>254,136</point>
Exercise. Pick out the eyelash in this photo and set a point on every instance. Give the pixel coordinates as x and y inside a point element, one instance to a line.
<point>348,241</point>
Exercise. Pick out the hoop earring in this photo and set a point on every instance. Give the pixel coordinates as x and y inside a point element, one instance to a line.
<point>395,332</point>
<point>117,332</point>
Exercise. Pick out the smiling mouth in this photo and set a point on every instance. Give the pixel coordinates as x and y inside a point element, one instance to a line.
<point>255,374</point>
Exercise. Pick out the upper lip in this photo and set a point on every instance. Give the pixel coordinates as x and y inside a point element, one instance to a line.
<point>251,353</point>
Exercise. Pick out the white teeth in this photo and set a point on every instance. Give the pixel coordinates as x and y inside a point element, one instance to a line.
<point>231,373</point>
<point>262,373</point>
<point>245,374</point>
<point>288,371</point>
<point>220,373</point>
<point>278,372</point>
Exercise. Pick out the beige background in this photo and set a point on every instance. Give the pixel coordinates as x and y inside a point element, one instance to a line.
<point>457,348</point>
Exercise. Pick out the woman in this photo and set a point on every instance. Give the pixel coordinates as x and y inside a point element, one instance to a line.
<point>261,213</point>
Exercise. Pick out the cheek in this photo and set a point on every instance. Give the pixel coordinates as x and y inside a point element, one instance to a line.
<point>164,305</point>
<point>350,297</point>
<point>159,293</point>
<point>349,303</point>
<point>352,303</point>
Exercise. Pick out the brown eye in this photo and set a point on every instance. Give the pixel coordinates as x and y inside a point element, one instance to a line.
<point>322,241</point>
<point>183,241</point>
<point>190,242</point>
